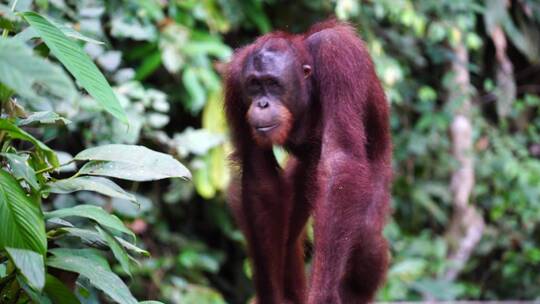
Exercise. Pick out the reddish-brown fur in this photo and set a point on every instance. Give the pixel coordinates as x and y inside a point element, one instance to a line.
<point>339,172</point>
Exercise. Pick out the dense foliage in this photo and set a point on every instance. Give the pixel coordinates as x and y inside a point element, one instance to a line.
<point>162,60</point>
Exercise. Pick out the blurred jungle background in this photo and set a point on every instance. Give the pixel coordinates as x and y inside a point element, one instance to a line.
<point>463,80</point>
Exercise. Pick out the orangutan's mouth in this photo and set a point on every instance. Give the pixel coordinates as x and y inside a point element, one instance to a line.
<point>266,128</point>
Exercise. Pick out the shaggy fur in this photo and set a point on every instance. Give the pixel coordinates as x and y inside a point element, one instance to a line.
<point>339,171</point>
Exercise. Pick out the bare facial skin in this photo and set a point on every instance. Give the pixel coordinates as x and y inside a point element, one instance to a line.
<point>269,86</point>
<point>270,126</point>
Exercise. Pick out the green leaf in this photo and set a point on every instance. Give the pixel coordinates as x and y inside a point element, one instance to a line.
<point>43,117</point>
<point>18,133</point>
<point>77,63</point>
<point>98,275</point>
<point>194,89</point>
<point>30,33</point>
<point>148,66</point>
<point>30,264</point>
<point>21,169</point>
<point>58,292</point>
<point>127,209</point>
<point>71,33</point>
<point>22,222</point>
<point>92,238</point>
<point>87,253</point>
<point>131,162</point>
<point>132,248</point>
<point>201,180</point>
<point>90,183</point>
<point>26,73</point>
<point>88,237</point>
<point>211,47</point>
<point>119,253</point>
<point>94,213</point>
<point>255,13</point>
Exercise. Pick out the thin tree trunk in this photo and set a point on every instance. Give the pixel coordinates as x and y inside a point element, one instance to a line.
<point>467,224</point>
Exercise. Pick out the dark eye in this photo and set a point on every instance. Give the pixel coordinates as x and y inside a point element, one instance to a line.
<point>272,83</point>
<point>273,86</point>
<point>254,86</point>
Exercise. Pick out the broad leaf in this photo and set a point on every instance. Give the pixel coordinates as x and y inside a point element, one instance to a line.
<point>21,71</point>
<point>30,264</point>
<point>90,183</point>
<point>18,133</point>
<point>94,213</point>
<point>77,63</point>
<point>131,162</point>
<point>99,276</point>
<point>58,292</point>
<point>21,169</point>
<point>119,253</point>
<point>87,253</point>
<point>22,224</point>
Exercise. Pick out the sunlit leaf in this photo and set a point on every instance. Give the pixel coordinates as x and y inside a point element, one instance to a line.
<point>201,178</point>
<point>131,162</point>
<point>90,183</point>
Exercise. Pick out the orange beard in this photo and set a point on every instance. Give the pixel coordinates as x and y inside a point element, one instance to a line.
<point>278,135</point>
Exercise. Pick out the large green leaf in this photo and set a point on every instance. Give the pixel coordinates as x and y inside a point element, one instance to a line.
<point>94,213</point>
<point>90,183</point>
<point>118,251</point>
<point>78,64</point>
<point>21,71</point>
<point>131,162</point>
<point>15,132</point>
<point>22,224</point>
<point>88,253</point>
<point>99,276</point>
<point>30,264</point>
